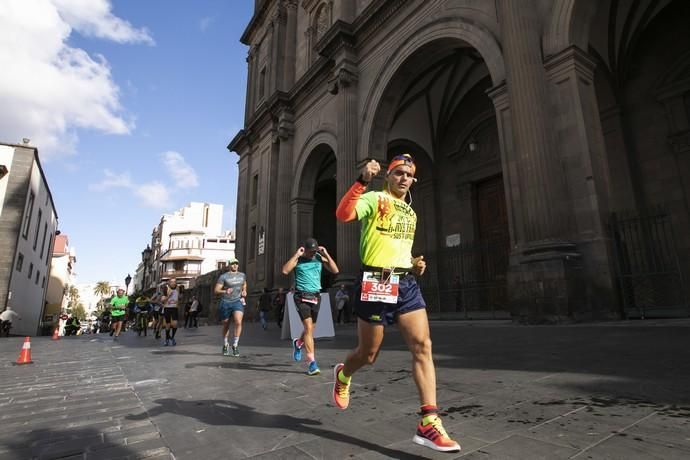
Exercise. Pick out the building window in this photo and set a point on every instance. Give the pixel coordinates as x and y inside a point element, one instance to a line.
<point>45,233</point>
<point>31,270</point>
<point>262,83</point>
<point>27,215</point>
<point>205,218</point>
<point>252,243</point>
<point>255,189</point>
<point>222,265</point>
<point>38,228</point>
<point>20,261</point>
<point>50,241</point>
<point>38,276</point>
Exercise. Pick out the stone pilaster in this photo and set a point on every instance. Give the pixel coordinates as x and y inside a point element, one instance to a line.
<point>290,44</point>
<point>285,246</point>
<point>344,86</point>
<point>544,276</point>
<point>581,146</point>
<point>542,187</point>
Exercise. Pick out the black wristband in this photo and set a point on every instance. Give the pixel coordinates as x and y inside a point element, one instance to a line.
<point>361,180</point>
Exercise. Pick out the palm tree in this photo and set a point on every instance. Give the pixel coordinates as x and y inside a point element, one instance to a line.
<point>73,295</point>
<point>102,289</point>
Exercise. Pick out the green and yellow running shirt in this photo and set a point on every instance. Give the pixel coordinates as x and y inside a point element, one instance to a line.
<point>388,227</point>
<point>119,304</point>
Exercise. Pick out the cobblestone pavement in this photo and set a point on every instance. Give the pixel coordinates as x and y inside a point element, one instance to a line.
<point>598,391</point>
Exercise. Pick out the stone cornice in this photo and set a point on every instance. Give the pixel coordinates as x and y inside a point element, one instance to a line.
<point>340,35</point>
<point>256,21</point>
<point>568,60</point>
<point>374,16</point>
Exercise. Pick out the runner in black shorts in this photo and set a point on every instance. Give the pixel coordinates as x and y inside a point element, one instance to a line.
<point>170,298</point>
<point>388,291</point>
<point>307,263</point>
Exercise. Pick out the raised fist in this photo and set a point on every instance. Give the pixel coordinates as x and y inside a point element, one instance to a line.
<point>370,170</point>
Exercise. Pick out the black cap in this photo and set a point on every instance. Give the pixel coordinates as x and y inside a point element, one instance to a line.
<point>311,243</point>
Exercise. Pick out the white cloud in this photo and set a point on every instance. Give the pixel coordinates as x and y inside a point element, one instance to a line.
<point>181,172</point>
<point>151,194</point>
<point>49,89</point>
<point>205,23</point>
<point>94,18</point>
<point>112,180</point>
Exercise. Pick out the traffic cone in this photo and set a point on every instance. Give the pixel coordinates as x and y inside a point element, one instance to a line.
<point>25,354</point>
<point>56,334</point>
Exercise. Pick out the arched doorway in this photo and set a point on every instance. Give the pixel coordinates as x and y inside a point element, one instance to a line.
<point>642,80</point>
<point>314,208</point>
<point>436,108</point>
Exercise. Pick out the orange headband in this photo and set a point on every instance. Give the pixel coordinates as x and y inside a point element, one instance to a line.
<point>404,159</point>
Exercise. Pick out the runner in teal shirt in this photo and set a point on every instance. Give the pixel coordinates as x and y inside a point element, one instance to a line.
<point>307,263</point>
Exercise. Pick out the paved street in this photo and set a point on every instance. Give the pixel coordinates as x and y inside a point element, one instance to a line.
<point>615,391</point>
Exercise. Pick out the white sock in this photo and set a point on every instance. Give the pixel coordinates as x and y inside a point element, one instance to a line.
<point>235,341</point>
<point>225,341</point>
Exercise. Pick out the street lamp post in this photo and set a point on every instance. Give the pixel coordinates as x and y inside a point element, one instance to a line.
<point>128,279</point>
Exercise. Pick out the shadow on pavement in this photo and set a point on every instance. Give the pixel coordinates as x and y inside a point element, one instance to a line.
<point>250,367</point>
<point>219,412</point>
<point>83,443</point>
<point>173,351</point>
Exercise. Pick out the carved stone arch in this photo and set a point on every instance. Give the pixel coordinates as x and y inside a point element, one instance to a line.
<point>464,32</point>
<point>312,153</point>
<point>569,25</point>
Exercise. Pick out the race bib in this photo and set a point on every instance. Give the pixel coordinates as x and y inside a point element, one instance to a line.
<point>375,290</point>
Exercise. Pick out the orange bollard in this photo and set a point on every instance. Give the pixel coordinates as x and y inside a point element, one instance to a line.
<point>56,334</point>
<point>25,354</point>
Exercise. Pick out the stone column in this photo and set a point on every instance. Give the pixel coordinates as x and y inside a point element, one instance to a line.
<point>284,245</point>
<point>344,86</point>
<point>290,44</point>
<point>581,146</point>
<point>541,178</point>
<point>242,224</point>
<point>544,278</point>
<point>251,76</point>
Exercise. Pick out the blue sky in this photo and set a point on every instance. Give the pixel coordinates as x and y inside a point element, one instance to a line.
<point>133,103</point>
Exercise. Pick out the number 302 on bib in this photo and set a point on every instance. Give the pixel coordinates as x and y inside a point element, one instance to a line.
<point>374,290</point>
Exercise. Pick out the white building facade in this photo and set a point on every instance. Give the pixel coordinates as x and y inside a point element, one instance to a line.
<point>61,277</point>
<point>28,222</point>
<point>184,245</point>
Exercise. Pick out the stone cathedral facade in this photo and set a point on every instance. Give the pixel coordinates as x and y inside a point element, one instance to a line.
<point>552,140</point>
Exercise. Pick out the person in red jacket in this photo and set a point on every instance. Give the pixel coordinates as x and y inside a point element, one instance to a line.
<point>388,292</point>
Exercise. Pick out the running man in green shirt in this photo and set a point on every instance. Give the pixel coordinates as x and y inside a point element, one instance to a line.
<point>118,307</point>
<point>388,291</point>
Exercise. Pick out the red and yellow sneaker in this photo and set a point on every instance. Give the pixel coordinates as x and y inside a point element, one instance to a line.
<point>434,436</point>
<point>341,391</point>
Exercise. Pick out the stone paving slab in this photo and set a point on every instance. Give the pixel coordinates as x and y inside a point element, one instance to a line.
<point>611,390</point>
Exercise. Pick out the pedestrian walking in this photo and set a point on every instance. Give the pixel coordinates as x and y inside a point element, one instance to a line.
<point>194,312</point>
<point>279,306</point>
<point>170,298</point>
<point>232,286</point>
<point>388,292</point>
<point>307,262</point>
<point>264,308</point>
<point>341,300</point>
